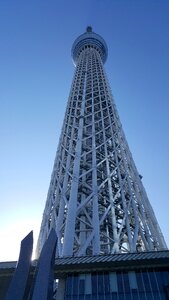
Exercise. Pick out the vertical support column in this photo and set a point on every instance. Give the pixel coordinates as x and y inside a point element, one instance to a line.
<point>95,213</point>
<point>72,205</point>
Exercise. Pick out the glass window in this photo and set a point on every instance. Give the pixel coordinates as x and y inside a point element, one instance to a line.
<point>88,287</point>
<point>166,291</point>
<point>114,296</point>
<point>100,297</point>
<point>134,294</point>
<point>142,296</point>
<point>139,282</point>
<point>146,281</point>
<point>165,277</point>
<point>132,280</point>
<point>149,296</point>
<point>159,280</point>
<point>153,281</point>
<point>94,283</point>
<point>100,283</point>
<point>75,285</point>
<point>81,287</point>
<point>126,282</point>
<point>158,296</point>
<point>108,297</point>
<point>121,296</point>
<point>106,283</point>
<point>69,285</point>
<point>88,297</point>
<point>113,282</point>
<point>120,282</point>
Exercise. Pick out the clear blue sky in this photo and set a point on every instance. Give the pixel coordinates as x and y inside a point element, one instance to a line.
<point>35,77</point>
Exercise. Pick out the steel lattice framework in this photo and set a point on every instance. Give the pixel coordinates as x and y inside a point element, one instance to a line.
<point>96,200</point>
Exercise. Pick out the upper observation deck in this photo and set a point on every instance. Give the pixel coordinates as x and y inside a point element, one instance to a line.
<point>89,39</point>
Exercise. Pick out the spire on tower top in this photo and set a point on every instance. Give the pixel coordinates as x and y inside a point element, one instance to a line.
<point>89,29</point>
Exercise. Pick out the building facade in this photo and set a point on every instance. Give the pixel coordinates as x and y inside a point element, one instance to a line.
<point>127,276</point>
<point>118,277</point>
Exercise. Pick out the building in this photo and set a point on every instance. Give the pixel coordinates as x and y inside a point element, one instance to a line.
<point>110,246</point>
<point>129,276</point>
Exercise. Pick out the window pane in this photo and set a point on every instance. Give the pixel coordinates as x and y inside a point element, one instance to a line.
<point>146,281</point>
<point>122,297</point>
<point>166,291</point>
<point>88,287</point>
<point>106,283</point>
<point>75,285</point>
<point>157,296</point>
<point>94,283</point>
<point>108,297</point>
<point>149,296</point>
<point>132,280</point>
<point>101,297</point>
<point>159,281</point>
<point>114,296</point>
<point>142,296</point>
<point>81,287</point>
<point>69,285</point>
<point>88,297</point>
<point>113,282</point>
<point>100,283</point>
<point>165,278</point>
<point>120,282</point>
<point>126,283</point>
<point>153,281</point>
<point>139,282</point>
<point>135,295</point>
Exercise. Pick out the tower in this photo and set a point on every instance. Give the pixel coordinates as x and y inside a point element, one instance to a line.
<point>96,200</point>
<point>109,244</point>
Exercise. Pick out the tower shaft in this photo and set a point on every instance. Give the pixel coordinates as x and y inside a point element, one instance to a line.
<point>96,200</point>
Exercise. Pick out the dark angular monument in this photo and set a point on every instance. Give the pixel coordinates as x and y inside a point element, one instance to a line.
<point>43,283</point>
<point>40,286</point>
<point>19,281</point>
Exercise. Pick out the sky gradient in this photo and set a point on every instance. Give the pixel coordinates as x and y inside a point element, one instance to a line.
<point>36,72</point>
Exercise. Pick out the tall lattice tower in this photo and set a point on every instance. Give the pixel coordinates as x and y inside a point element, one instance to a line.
<point>96,200</point>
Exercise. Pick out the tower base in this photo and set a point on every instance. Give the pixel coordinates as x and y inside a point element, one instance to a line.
<point>121,276</point>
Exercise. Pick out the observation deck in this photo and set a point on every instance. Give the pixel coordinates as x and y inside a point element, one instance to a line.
<point>89,39</point>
